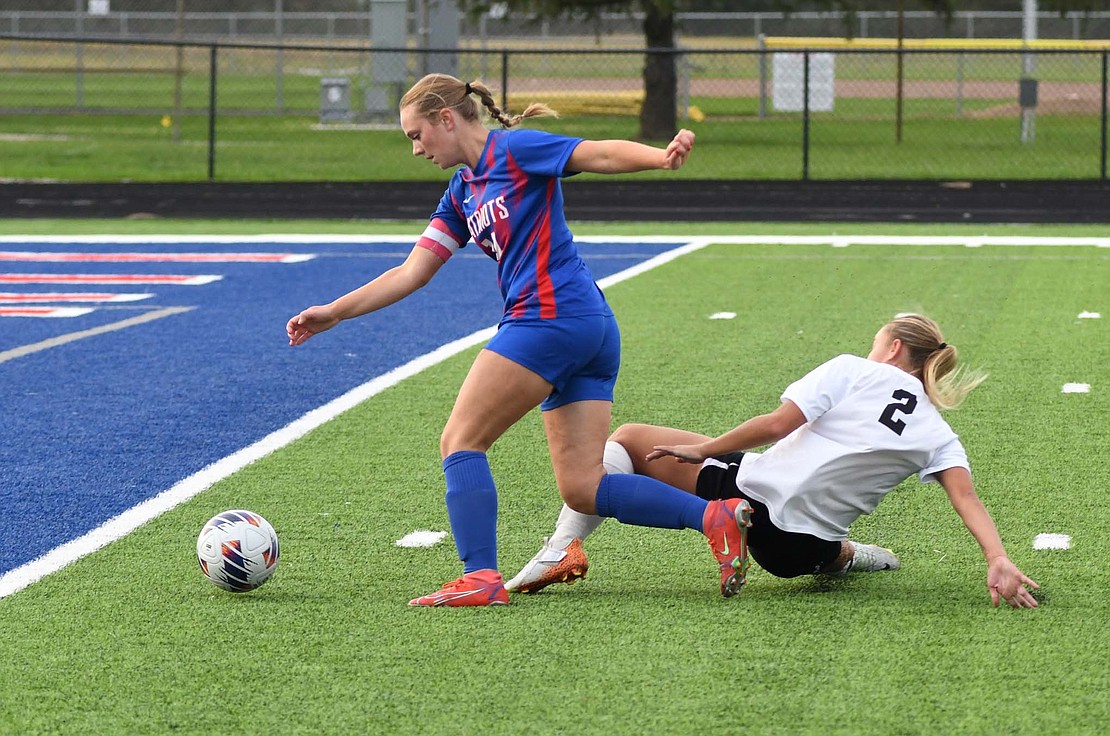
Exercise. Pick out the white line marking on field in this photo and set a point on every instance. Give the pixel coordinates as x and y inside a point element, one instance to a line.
<point>421,538</point>
<point>1052,541</point>
<point>20,297</point>
<point>723,315</point>
<point>130,520</point>
<point>48,312</point>
<point>54,342</point>
<point>1089,315</point>
<point>1076,388</point>
<point>107,278</point>
<point>56,257</point>
<point>839,241</point>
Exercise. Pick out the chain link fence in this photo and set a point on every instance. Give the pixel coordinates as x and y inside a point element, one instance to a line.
<point>244,20</point>
<point>118,110</point>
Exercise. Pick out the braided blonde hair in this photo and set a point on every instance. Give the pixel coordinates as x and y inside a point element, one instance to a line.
<point>437,91</point>
<point>934,360</point>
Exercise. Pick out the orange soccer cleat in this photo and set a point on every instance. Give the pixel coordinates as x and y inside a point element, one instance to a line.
<point>550,566</point>
<point>479,588</point>
<point>726,525</point>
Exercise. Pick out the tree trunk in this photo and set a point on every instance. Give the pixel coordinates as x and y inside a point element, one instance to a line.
<point>658,118</point>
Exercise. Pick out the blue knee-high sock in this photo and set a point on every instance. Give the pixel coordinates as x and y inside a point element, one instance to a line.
<point>643,501</point>
<point>472,509</point>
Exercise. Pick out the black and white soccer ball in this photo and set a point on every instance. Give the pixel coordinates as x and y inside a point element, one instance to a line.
<point>238,550</point>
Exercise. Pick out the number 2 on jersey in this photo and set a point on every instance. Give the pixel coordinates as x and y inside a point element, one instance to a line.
<point>906,404</point>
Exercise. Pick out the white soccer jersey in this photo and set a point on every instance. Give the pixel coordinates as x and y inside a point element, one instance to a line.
<point>869,426</point>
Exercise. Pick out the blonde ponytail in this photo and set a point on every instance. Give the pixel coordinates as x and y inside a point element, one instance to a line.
<point>934,361</point>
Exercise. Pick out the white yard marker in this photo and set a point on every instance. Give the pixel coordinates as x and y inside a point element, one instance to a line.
<point>421,538</point>
<point>1076,388</point>
<point>1052,541</point>
<point>1089,315</point>
<point>723,315</point>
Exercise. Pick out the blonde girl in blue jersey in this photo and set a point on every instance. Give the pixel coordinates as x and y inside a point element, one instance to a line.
<point>557,345</point>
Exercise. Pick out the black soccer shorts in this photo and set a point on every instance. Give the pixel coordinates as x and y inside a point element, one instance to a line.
<point>781,553</point>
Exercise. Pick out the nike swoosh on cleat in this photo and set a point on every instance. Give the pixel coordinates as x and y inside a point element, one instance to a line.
<point>441,600</point>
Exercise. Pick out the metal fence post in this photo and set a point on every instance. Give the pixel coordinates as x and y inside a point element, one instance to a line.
<point>79,19</point>
<point>762,77</point>
<point>960,85</point>
<point>505,80</point>
<point>212,112</point>
<point>1102,155</point>
<point>279,62</point>
<point>805,115</point>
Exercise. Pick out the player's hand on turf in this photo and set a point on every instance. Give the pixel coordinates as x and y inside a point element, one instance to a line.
<point>682,453</point>
<point>311,321</point>
<point>1007,583</point>
<point>678,150</point>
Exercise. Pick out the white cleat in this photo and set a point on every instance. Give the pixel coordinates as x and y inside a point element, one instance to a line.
<point>551,566</point>
<point>870,558</point>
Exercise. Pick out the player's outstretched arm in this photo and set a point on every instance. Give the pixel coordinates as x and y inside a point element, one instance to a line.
<point>1004,580</point>
<point>756,432</point>
<point>624,157</point>
<point>392,286</point>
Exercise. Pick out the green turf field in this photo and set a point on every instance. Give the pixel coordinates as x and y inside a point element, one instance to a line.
<point>133,640</point>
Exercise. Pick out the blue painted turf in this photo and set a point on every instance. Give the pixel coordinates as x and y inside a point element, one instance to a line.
<point>91,428</point>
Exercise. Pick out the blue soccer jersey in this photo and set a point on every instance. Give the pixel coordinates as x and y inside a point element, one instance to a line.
<point>511,205</point>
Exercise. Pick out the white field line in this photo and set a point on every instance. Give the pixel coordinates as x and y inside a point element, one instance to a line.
<point>52,297</point>
<point>123,524</point>
<point>56,257</point>
<point>46,312</point>
<point>53,342</point>
<point>840,241</point>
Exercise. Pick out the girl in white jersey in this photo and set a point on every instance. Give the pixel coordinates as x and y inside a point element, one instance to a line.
<point>844,436</point>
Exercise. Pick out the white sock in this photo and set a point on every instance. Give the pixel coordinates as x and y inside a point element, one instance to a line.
<point>574,525</point>
<point>616,459</point>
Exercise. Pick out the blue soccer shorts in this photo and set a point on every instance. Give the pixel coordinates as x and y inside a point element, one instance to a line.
<point>578,356</point>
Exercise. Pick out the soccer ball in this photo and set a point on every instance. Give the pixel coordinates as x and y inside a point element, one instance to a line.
<point>237,550</point>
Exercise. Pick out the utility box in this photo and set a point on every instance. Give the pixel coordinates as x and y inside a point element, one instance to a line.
<point>335,100</point>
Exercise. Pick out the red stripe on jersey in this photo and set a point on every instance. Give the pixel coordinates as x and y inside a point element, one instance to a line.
<point>543,254</point>
<point>518,188</point>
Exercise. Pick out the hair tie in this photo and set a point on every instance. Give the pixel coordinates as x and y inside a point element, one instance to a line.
<point>469,91</point>
<point>942,346</point>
